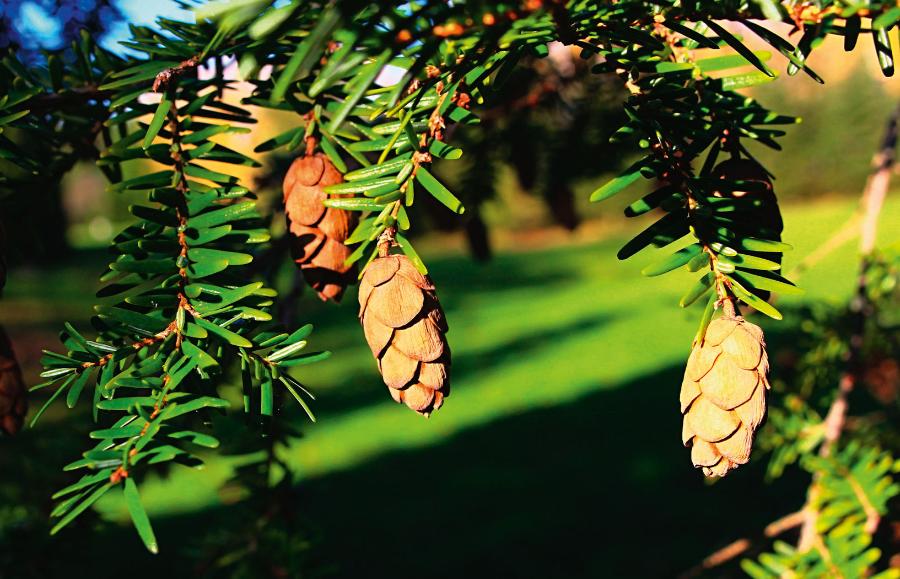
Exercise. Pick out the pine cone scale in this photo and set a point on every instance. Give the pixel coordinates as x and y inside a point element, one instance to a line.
<point>710,422</point>
<point>308,242</point>
<point>397,369</point>
<point>701,362</point>
<point>378,335</point>
<point>409,271</point>
<point>753,411</point>
<point>436,315</point>
<point>421,341</point>
<point>704,454</point>
<point>307,171</point>
<point>381,270</point>
<point>398,304</point>
<point>417,397</point>
<point>744,349</point>
<point>365,292</point>
<point>737,447</point>
<point>337,228</point>
<point>728,385</point>
<point>690,390</point>
<point>717,333</point>
<point>432,374</point>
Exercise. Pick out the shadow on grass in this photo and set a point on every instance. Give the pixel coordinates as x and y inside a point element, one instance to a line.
<point>458,279</point>
<point>599,487</point>
<point>356,391</point>
<point>596,487</point>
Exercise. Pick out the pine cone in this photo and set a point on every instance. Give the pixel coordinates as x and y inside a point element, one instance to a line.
<point>723,395</point>
<point>318,232</point>
<point>405,326</point>
<point>13,403</point>
<point>765,216</point>
<point>761,219</point>
<point>3,266</point>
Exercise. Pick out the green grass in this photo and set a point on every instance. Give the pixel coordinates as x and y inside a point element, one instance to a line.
<point>558,450</point>
<point>528,330</point>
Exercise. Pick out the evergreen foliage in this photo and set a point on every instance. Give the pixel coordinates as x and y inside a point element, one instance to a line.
<point>379,89</point>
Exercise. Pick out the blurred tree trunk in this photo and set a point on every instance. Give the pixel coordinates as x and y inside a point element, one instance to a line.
<point>36,224</point>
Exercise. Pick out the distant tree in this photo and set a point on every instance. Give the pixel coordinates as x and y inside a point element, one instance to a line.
<point>63,21</point>
<point>66,22</point>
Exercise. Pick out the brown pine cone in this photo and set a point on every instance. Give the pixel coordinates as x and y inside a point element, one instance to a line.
<point>13,401</point>
<point>762,218</point>
<point>405,326</point>
<point>723,395</point>
<point>3,267</point>
<point>318,232</point>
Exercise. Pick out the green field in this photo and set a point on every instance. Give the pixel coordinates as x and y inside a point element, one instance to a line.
<point>558,452</point>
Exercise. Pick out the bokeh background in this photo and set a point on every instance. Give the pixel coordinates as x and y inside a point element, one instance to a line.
<point>558,453</point>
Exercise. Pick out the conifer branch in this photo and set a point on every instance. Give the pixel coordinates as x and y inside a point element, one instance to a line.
<point>739,547</point>
<point>327,63</point>
<point>872,202</point>
<point>70,97</point>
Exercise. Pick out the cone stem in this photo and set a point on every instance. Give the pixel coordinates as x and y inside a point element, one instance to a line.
<point>728,307</point>
<point>386,241</point>
<point>311,144</point>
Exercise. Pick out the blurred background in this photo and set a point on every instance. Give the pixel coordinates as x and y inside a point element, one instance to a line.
<point>558,452</point>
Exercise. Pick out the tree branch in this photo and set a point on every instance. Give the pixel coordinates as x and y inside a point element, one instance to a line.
<point>860,307</point>
<point>741,546</point>
<point>872,516</point>
<point>53,101</point>
<point>872,202</point>
<point>847,232</point>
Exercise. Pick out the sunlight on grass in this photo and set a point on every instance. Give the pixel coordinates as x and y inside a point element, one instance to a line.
<point>531,329</point>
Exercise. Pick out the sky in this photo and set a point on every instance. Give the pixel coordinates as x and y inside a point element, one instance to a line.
<point>143,12</point>
<point>37,21</point>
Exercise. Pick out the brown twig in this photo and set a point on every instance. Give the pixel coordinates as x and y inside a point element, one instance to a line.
<point>435,132</point>
<point>170,75</point>
<point>860,307</point>
<point>737,548</point>
<point>182,186</point>
<point>872,202</point>
<point>52,101</point>
<point>845,234</point>
<point>872,516</point>
<point>138,345</point>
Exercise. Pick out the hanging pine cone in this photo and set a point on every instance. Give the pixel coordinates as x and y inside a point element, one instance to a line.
<point>761,215</point>
<point>3,268</point>
<point>766,216</point>
<point>13,404</point>
<point>405,326</point>
<point>318,232</point>
<point>723,395</point>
